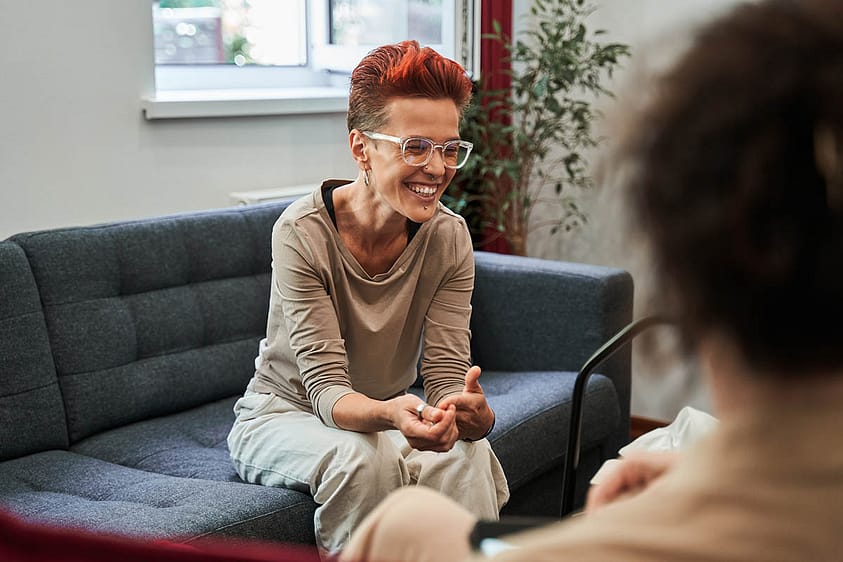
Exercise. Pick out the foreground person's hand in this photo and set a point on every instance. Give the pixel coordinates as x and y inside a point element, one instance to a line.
<point>628,476</point>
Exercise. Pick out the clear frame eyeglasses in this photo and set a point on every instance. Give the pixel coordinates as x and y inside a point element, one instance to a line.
<point>417,151</point>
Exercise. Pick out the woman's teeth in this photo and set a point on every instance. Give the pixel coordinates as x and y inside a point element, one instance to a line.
<point>422,189</point>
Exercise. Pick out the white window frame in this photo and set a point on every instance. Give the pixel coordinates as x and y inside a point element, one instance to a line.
<point>223,91</point>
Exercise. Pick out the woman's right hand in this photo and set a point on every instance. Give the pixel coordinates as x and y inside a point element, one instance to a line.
<point>437,431</point>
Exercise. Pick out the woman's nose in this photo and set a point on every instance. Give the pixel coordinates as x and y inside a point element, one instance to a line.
<point>436,164</point>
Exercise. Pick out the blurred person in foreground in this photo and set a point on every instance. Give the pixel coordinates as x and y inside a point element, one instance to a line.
<point>737,186</point>
<point>369,276</point>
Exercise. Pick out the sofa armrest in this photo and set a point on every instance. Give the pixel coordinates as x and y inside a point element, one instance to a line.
<point>532,314</point>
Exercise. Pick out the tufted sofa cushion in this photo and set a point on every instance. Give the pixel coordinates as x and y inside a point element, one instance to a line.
<point>190,444</point>
<point>78,491</point>
<point>533,411</point>
<point>148,318</point>
<point>30,403</point>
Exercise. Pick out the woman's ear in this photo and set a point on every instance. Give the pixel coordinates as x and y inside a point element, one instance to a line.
<point>359,150</point>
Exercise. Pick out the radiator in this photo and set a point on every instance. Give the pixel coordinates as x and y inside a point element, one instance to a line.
<point>267,195</point>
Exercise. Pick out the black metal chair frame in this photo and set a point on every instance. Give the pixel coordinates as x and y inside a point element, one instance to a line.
<point>490,529</point>
<point>572,458</point>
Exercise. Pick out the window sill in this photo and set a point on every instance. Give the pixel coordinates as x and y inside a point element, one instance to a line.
<point>178,104</point>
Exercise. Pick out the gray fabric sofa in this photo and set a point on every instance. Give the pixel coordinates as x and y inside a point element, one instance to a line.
<point>124,346</point>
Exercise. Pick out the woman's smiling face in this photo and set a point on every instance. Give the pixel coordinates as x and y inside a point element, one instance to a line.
<point>413,191</point>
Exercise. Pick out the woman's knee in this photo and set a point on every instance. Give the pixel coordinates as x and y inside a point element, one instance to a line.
<point>370,455</point>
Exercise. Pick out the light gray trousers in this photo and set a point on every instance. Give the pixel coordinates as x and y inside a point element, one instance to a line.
<point>348,473</point>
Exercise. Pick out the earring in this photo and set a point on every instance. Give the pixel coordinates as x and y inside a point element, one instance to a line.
<point>366,177</point>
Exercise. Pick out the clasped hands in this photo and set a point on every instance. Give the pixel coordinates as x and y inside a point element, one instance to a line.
<point>460,416</point>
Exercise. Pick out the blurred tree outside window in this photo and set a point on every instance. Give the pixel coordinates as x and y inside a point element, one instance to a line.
<point>277,32</point>
<point>238,32</point>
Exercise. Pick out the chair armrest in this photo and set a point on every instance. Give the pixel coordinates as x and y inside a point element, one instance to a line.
<point>532,314</point>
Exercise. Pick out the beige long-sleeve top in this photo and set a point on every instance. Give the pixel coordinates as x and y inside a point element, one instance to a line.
<point>767,485</point>
<point>333,329</point>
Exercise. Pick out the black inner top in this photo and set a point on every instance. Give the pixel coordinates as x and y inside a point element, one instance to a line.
<point>328,188</point>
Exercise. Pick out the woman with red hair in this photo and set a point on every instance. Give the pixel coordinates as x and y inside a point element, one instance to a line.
<point>371,276</point>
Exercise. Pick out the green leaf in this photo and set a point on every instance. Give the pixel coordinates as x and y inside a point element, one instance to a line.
<point>540,89</point>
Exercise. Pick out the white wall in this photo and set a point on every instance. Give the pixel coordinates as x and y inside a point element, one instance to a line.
<point>657,31</point>
<point>76,149</point>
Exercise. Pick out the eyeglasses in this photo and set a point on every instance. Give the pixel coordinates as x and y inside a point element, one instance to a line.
<point>417,151</point>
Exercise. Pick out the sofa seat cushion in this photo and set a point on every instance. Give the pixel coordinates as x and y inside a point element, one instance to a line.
<point>190,444</point>
<point>533,411</point>
<point>533,414</point>
<point>67,489</point>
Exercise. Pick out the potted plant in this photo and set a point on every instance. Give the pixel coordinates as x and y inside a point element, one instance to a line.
<point>535,135</point>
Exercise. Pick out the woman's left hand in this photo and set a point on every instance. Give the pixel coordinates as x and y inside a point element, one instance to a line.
<point>474,416</point>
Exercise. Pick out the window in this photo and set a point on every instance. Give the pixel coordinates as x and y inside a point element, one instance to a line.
<point>235,32</point>
<point>351,28</point>
<point>214,50</point>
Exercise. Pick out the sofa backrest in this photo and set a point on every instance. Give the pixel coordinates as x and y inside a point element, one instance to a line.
<point>573,309</point>
<point>151,317</point>
<point>32,416</point>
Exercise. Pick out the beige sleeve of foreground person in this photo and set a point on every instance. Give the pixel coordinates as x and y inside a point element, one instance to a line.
<point>439,530</point>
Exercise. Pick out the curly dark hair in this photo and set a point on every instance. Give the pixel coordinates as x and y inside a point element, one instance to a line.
<point>738,184</point>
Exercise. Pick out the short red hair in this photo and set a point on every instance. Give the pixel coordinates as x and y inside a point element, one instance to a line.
<point>402,70</point>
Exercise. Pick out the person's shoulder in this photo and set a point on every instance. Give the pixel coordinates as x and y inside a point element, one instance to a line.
<point>447,214</point>
<point>303,214</point>
<point>302,207</point>
<point>449,220</point>
<point>448,233</point>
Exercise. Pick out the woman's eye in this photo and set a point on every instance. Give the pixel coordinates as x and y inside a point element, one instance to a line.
<point>417,146</point>
<point>451,149</point>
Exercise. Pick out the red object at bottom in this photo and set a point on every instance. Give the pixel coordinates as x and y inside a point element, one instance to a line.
<point>22,541</point>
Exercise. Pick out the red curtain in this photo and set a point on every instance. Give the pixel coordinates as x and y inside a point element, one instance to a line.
<point>493,68</point>
<point>491,53</point>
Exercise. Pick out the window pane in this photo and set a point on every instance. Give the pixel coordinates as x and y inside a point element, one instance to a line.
<point>371,22</point>
<point>261,32</point>
<point>424,21</point>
